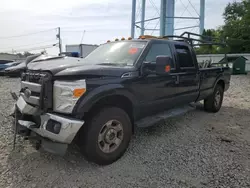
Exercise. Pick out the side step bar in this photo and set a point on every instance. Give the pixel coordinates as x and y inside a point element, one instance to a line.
<point>161,117</point>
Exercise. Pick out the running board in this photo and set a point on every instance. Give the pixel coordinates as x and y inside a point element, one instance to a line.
<point>161,117</point>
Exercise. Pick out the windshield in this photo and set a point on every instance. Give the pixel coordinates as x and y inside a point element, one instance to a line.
<point>123,53</point>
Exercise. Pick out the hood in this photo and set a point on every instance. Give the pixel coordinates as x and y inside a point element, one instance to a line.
<point>54,64</point>
<point>71,66</point>
<point>96,70</point>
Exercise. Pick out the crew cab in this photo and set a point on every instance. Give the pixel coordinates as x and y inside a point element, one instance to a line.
<point>97,101</point>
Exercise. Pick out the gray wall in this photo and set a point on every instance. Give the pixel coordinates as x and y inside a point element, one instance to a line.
<point>4,56</point>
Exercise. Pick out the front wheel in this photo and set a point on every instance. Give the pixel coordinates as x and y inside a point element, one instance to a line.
<point>106,136</point>
<point>213,103</point>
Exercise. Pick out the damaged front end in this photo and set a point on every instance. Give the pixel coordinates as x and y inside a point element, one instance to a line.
<point>34,116</point>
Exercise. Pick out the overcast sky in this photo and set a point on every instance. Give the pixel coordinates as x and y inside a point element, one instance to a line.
<point>101,19</point>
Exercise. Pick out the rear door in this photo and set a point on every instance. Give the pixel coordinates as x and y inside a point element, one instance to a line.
<point>188,75</point>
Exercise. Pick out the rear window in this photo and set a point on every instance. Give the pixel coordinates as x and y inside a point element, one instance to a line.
<point>184,56</point>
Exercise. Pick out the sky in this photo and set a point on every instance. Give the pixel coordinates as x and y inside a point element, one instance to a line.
<point>30,25</point>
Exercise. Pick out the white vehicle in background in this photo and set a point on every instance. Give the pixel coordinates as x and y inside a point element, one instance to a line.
<point>82,49</point>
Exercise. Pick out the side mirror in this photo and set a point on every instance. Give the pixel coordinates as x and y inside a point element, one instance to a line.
<point>163,65</point>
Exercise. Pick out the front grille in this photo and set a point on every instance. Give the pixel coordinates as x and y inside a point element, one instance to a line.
<point>37,88</point>
<point>34,77</point>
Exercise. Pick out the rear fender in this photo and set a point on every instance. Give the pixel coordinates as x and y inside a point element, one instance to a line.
<point>219,78</point>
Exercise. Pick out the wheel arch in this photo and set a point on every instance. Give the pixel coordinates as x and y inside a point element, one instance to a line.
<point>114,95</point>
<point>219,80</point>
<point>221,83</point>
<point>115,100</point>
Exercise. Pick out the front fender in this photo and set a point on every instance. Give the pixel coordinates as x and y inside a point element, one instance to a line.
<point>89,99</point>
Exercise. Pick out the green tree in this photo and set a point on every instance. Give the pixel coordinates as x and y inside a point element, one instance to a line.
<point>236,30</point>
<point>212,35</point>
<point>24,54</point>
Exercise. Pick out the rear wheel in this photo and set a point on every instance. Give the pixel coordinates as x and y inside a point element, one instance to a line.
<point>213,103</point>
<point>106,136</point>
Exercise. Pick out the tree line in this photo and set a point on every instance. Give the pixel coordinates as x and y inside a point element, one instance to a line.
<point>235,32</point>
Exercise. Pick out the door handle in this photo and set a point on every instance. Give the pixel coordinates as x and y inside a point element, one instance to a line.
<point>204,75</point>
<point>177,79</point>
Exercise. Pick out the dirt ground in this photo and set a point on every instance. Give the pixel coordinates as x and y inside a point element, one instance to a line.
<point>197,149</point>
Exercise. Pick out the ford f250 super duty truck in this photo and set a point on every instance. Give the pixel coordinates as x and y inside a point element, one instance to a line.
<point>97,101</point>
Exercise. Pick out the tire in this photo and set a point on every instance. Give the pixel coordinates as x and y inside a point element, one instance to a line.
<point>99,132</point>
<point>214,102</point>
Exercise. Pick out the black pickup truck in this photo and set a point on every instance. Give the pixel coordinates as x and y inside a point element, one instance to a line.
<point>97,101</point>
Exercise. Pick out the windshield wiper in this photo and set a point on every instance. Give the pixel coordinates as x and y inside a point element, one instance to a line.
<point>114,64</point>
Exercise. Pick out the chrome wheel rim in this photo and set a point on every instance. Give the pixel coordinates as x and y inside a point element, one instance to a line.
<point>110,136</point>
<point>217,98</point>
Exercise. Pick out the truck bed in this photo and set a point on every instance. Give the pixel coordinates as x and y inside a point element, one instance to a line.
<point>208,78</point>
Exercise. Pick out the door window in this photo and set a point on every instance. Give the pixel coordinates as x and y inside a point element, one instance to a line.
<point>157,50</point>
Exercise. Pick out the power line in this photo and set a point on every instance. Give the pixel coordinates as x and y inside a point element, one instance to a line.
<point>16,36</point>
<point>34,48</point>
<point>13,47</point>
<point>86,30</point>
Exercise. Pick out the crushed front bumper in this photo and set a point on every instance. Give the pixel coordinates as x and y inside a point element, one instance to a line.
<point>55,131</point>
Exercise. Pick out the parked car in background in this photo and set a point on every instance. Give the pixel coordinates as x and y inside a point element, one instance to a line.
<point>7,65</point>
<point>17,70</point>
<point>5,61</point>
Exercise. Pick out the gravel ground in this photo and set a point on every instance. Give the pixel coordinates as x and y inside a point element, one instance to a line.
<point>198,149</point>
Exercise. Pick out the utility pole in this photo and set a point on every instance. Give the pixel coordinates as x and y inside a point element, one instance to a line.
<point>82,36</point>
<point>60,41</point>
<point>133,18</point>
<point>143,16</point>
<point>202,16</point>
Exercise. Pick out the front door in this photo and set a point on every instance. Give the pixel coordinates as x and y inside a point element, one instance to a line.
<point>155,92</point>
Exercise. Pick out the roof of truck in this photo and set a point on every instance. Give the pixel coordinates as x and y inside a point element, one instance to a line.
<point>150,38</point>
<point>197,40</point>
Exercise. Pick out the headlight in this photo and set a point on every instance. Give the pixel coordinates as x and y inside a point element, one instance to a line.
<point>66,94</point>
